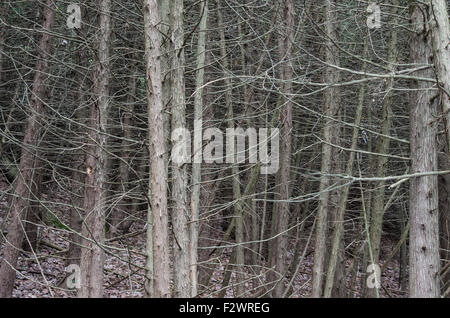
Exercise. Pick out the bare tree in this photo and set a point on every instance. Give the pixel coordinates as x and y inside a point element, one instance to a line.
<point>330,136</point>
<point>440,30</point>
<point>23,189</point>
<point>376,216</point>
<point>423,200</point>
<point>92,254</point>
<point>157,225</point>
<point>180,213</point>
<point>196,167</point>
<point>337,239</point>
<point>280,217</point>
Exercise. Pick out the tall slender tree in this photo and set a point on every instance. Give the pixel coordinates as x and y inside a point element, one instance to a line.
<point>157,266</point>
<point>180,215</point>
<point>423,196</point>
<point>383,145</point>
<point>440,30</point>
<point>330,137</point>
<point>196,167</point>
<point>92,253</point>
<point>281,212</point>
<point>23,194</point>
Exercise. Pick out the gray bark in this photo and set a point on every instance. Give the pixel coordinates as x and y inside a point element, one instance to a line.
<point>157,266</point>
<point>423,201</point>
<point>92,253</point>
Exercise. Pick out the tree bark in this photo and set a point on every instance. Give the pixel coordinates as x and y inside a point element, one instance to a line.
<point>376,220</point>
<point>78,175</point>
<point>444,218</point>
<point>196,167</point>
<point>440,30</point>
<point>280,217</point>
<point>23,196</point>
<point>179,171</point>
<point>92,253</point>
<point>423,201</point>
<point>158,275</point>
<point>330,135</point>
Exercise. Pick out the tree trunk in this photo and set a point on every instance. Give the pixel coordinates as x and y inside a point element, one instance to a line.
<point>338,239</point>
<point>179,171</point>
<point>158,271</point>
<point>330,134</point>
<point>440,30</point>
<point>92,253</point>
<point>196,167</point>
<point>376,220</point>
<point>76,216</point>
<point>23,196</point>
<point>121,221</point>
<point>444,218</point>
<point>281,216</point>
<point>423,201</point>
<point>78,175</point>
<point>34,215</point>
<point>211,182</point>
<point>236,183</point>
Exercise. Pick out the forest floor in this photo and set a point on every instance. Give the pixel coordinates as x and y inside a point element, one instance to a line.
<point>45,276</point>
